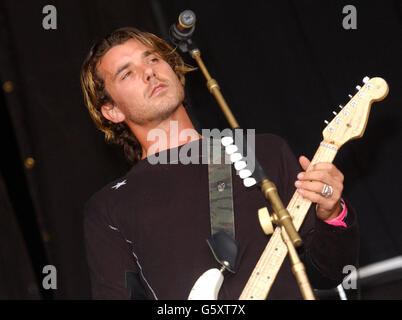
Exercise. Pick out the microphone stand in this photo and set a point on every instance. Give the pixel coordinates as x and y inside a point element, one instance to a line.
<point>289,233</point>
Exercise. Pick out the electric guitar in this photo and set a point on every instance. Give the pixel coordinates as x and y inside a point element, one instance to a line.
<point>349,123</point>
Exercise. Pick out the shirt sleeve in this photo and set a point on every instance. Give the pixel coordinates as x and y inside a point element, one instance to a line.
<point>340,219</point>
<point>326,248</point>
<point>111,263</point>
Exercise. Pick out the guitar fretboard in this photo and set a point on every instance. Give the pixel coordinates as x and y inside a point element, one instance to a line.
<point>267,268</point>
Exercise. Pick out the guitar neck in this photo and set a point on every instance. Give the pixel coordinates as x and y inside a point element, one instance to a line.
<point>267,267</point>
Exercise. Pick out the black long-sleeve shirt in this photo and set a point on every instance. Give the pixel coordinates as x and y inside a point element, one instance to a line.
<point>148,230</point>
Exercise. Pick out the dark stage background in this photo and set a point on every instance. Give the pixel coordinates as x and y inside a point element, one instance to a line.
<point>283,67</point>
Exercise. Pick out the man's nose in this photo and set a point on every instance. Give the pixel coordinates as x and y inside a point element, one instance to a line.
<point>149,74</point>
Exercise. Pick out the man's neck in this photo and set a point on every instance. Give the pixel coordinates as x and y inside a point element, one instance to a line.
<point>170,133</point>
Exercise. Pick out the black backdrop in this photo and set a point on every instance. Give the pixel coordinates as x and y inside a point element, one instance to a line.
<point>283,67</point>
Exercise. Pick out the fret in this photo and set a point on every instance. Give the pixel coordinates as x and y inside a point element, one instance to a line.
<point>274,254</point>
<point>350,125</point>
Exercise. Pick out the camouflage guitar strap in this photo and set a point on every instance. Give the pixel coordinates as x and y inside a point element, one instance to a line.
<point>222,241</point>
<point>220,189</point>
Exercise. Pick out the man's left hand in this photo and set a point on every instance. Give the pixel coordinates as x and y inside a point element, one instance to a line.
<point>310,185</point>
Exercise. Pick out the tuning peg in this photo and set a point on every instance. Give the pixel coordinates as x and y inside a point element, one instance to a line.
<point>226,141</point>
<point>248,182</point>
<point>239,165</point>
<point>340,106</point>
<point>245,173</point>
<point>326,121</point>
<point>350,96</point>
<point>366,79</point>
<point>358,87</point>
<point>334,113</point>
<point>232,148</point>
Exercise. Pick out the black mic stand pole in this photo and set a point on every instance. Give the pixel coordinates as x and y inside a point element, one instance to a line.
<point>268,188</point>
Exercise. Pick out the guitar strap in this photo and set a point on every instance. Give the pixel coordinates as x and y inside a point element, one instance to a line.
<point>222,241</point>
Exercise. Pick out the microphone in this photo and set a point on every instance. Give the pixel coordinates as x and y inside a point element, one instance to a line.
<point>184,28</point>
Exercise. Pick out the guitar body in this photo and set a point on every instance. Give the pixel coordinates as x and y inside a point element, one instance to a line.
<point>207,286</point>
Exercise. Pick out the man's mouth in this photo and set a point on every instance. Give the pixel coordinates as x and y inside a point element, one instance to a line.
<point>157,89</point>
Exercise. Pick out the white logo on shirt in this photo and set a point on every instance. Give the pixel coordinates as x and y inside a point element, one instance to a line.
<point>119,184</point>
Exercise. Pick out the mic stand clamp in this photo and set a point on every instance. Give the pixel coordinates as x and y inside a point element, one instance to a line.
<point>185,45</point>
<point>298,268</point>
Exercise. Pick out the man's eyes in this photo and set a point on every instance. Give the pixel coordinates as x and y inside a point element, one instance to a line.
<point>126,75</point>
<point>152,60</point>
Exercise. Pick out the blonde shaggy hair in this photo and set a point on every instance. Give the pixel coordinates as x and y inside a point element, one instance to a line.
<point>95,94</point>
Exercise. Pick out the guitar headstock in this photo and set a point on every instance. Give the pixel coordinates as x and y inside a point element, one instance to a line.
<point>350,122</point>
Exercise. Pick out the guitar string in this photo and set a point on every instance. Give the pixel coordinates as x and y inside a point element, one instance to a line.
<point>322,154</point>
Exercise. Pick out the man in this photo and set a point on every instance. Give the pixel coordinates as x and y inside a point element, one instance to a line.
<point>145,232</point>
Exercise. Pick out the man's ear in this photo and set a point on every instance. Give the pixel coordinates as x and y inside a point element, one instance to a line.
<point>112,113</point>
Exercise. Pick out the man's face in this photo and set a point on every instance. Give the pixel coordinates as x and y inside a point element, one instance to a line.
<point>143,86</point>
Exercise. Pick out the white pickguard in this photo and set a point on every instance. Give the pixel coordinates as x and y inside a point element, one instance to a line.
<point>207,286</point>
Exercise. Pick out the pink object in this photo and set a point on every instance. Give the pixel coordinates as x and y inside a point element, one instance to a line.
<point>338,221</point>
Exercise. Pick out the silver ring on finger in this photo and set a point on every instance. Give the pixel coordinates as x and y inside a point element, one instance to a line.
<point>327,191</point>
